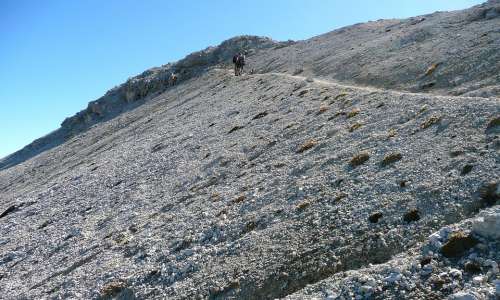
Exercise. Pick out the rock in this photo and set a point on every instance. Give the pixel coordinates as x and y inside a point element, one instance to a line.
<point>466,170</point>
<point>472,267</point>
<point>491,14</point>
<point>427,270</point>
<point>95,108</point>
<point>412,215</point>
<point>239,199</point>
<point>375,217</point>
<point>393,277</point>
<point>303,92</point>
<point>260,115</point>
<point>235,128</point>
<point>463,296</point>
<point>425,261</point>
<point>435,239</point>
<point>478,280</point>
<point>490,193</point>
<point>366,290</point>
<point>497,287</point>
<point>9,210</point>
<point>493,265</point>
<point>488,224</point>
<point>458,244</point>
<point>455,273</point>
<point>493,125</point>
<point>331,295</point>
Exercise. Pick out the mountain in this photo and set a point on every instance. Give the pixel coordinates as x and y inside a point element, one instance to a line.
<point>362,163</point>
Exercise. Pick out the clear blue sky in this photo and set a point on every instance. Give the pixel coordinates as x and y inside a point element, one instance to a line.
<point>56,56</point>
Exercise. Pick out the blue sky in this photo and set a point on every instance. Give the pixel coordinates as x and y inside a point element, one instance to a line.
<point>56,56</point>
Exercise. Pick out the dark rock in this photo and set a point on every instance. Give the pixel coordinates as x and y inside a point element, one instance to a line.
<point>9,210</point>
<point>428,85</point>
<point>466,170</point>
<point>425,261</point>
<point>157,148</point>
<point>493,125</point>
<point>303,92</point>
<point>235,128</point>
<point>412,215</point>
<point>239,199</point>
<point>375,217</point>
<point>472,267</point>
<point>260,115</point>
<point>489,193</point>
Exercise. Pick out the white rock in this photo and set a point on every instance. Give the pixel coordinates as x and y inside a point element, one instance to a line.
<point>331,295</point>
<point>478,279</point>
<point>393,277</point>
<point>366,289</point>
<point>456,273</point>
<point>463,296</point>
<point>497,287</point>
<point>488,224</point>
<point>493,264</point>
<point>426,270</point>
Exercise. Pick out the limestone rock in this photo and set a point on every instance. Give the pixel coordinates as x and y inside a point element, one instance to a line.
<point>488,224</point>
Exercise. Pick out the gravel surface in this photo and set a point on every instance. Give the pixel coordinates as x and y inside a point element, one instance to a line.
<point>264,186</point>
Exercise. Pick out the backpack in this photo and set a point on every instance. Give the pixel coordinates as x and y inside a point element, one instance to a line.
<point>241,60</point>
<point>235,59</point>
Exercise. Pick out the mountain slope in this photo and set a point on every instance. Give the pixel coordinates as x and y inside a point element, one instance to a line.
<point>453,53</point>
<point>189,195</point>
<point>262,186</point>
<point>459,52</point>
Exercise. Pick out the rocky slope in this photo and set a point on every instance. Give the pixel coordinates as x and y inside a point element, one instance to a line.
<point>454,53</point>
<point>268,185</point>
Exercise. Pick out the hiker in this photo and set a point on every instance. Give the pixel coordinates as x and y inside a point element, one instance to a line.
<point>240,63</point>
<point>173,79</point>
<point>235,62</point>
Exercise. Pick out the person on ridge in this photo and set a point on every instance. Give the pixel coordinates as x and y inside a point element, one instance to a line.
<point>235,62</point>
<point>173,78</point>
<point>241,63</point>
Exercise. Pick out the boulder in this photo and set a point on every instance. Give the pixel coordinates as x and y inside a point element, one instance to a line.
<point>488,223</point>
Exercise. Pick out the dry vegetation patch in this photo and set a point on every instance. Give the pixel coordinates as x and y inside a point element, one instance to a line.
<point>359,159</point>
<point>307,145</point>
